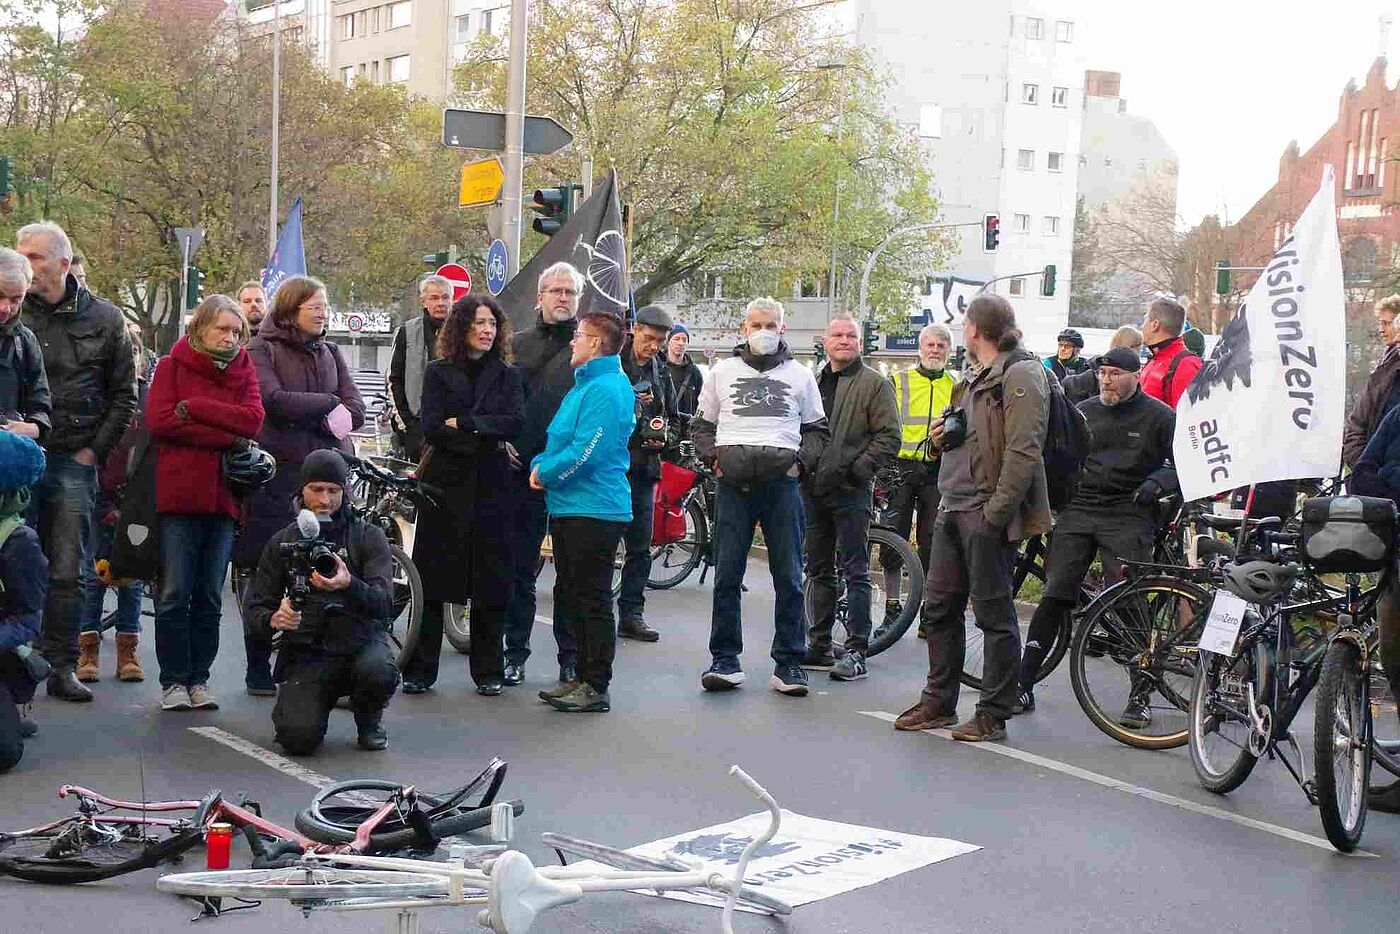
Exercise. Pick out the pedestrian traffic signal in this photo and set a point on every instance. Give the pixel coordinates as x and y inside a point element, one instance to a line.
<point>554,206</point>
<point>991,232</point>
<point>1047,282</point>
<point>869,337</point>
<point>1222,277</point>
<point>819,349</point>
<point>194,286</point>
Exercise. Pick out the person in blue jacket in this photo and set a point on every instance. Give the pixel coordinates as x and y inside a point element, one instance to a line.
<point>583,473</point>
<point>24,582</point>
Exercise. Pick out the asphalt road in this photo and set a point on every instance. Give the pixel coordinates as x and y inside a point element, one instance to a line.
<point>1077,834</point>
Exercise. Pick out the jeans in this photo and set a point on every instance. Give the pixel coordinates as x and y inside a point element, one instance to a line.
<point>837,529</point>
<point>776,507</point>
<point>61,512</point>
<point>312,683</point>
<point>631,603</point>
<point>128,616</point>
<point>918,489</point>
<point>531,521</point>
<point>583,569</point>
<point>970,557</point>
<point>194,556</point>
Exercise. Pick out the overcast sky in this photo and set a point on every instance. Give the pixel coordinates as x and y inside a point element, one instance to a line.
<point>1230,82</point>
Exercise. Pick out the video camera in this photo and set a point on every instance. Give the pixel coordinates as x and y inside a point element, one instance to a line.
<point>303,558</point>
<point>652,424</point>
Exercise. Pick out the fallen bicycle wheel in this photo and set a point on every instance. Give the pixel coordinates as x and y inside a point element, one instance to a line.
<point>304,884</point>
<point>87,850</point>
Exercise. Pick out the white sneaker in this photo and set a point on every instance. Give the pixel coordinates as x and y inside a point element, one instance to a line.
<point>201,699</point>
<point>175,697</point>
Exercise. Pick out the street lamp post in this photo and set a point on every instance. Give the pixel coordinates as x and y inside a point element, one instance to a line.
<point>276,122</point>
<point>875,255</point>
<point>836,198</point>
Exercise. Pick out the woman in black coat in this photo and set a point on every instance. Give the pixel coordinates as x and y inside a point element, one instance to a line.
<point>473,402</point>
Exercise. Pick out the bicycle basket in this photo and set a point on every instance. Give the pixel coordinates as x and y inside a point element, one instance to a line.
<point>1349,534</point>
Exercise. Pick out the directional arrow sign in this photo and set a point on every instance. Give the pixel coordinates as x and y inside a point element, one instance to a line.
<point>481,182</point>
<point>486,129</point>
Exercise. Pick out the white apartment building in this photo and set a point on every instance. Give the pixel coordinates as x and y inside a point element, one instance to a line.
<point>997,92</point>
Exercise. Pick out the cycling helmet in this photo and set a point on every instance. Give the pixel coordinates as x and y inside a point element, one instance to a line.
<point>1073,337</point>
<point>246,468</point>
<point>1258,581</point>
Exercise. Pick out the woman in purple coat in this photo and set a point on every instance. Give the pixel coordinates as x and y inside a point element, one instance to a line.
<point>311,404</point>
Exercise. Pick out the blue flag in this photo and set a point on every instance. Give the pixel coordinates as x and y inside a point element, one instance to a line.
<point>289,259</point>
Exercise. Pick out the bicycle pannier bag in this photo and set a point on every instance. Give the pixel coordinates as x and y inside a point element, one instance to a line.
<point>1348,533</point>
<point>668,513</point>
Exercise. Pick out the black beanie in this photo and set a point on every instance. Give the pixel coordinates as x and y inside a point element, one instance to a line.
<point>324,467</point>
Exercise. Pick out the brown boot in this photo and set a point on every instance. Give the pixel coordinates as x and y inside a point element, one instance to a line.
<point>89,644</point>
<point>128,668</point>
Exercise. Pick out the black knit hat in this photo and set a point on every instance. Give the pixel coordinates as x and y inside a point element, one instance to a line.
<point>325,467</point>
<point>1122,358</point>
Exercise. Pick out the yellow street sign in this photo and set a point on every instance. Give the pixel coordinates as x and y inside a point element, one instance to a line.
<point>481,182</point>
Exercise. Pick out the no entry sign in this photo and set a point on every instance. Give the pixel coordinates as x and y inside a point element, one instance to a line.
<point>457,274</point>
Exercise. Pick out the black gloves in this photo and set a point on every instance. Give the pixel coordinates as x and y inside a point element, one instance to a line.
<point>1147,493</point>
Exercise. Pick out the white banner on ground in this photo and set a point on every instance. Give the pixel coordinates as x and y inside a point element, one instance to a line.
<point>809,859</point>
<point>1270,402</point>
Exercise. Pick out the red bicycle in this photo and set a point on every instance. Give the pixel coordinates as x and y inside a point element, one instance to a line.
<point>107,837</point>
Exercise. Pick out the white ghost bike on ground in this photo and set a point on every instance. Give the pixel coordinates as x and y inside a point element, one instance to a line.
<point>513,890</point>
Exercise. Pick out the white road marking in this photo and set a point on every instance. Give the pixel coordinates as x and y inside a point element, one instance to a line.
<point>275,761</point>
<point>1117,784</point>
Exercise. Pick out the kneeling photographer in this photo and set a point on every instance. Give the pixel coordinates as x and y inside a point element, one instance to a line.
<point>326,589</point>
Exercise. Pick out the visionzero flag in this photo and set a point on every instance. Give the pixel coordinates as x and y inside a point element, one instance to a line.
<point>289,259</point>
<point>1270,402</point>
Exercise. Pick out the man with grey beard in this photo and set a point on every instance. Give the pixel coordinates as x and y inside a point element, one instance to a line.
<point>1114,510</point>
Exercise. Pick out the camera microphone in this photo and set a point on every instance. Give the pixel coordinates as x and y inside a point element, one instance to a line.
<point>308,525</point>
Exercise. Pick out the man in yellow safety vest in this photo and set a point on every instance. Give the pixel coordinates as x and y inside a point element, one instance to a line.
<point>922,392</point>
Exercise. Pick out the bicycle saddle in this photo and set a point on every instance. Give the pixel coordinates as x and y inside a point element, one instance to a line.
<point>519,893</point>
<point>1231,524</point>
<point>1259,581</point>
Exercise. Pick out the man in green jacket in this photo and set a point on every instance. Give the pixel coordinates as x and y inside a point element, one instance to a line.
<point>864,421</point>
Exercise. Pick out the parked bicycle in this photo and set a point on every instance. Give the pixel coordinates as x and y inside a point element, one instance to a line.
<point>674,562</point>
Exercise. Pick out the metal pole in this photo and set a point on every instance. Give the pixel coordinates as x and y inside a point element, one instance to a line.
<point>875,254</point>
<point>587,177</point>
<point>515,134</point>
<point>184,284</point>
<point>835,219</point>
<point>276,123</point>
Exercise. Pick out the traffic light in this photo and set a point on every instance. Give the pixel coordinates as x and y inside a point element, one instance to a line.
<point>991,232</point>
<point>869,337</point>
<point>819,349</point>
<point>1222,277</point>
<point>434,260</point>
<point>194,286</point>
<point>1047,282</point>
<point>554,205</point>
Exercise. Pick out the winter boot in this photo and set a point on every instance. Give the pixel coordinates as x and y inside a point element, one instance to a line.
<point>89,646</point>
<point>128,668</point>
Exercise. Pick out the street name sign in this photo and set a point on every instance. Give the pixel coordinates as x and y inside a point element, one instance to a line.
<point>481,183</point>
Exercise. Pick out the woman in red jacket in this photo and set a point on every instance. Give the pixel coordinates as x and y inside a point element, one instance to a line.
<point>203,400</point>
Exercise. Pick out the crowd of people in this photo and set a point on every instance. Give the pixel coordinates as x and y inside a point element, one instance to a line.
<point>561,429</point>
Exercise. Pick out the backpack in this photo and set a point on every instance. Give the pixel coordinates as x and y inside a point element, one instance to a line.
<point>1170,378</point>
<point>1066,443</point>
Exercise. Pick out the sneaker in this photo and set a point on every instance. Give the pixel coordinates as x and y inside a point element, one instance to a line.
<point>201,699</point>
<point>982,727</point>
<point>1025,702</point>
<point>559,690</point>
<point>919,717</point>
<point>724,674</point>
<point>582,699</point>
<point>820,659</point>
<point>1136,714</point>
<point>175,697</point>
<point>372,738</point>
<point>790,680</point>
<point>849,667</point>
<point>1386,798</point>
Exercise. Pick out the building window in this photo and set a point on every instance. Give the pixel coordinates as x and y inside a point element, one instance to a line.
<point>374,20</point>
<point>363,70</point>
<point>400,14</point>
<point>1025,159</point>
<point>1030,93</point>
<point>362,23</point>
<point>1064,31</point>
<point>1380,178</point>
<point>1018,287</point>
<point>374,71</point>
<point>1059,97</point>
<point>464,27</point>
<point>347,26</point>
<point>1035,27</point>
<point>1055,161</point>
<point>397,68</point>
<point>1022,224</point>
<point>347,75</point>
<point>487,16</point>
<point>1050,226</point>
<point>931,121</point>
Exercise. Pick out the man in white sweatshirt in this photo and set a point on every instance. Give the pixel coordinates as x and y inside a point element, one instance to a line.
<point>760,423</point>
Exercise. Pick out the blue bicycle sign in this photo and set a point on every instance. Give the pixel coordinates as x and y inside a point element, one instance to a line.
<point>496,267</point>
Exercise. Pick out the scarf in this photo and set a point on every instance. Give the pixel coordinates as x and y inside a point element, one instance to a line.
<point>221,358</point>
<point>14,503</point>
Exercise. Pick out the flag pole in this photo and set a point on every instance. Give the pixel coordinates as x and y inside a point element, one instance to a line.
<point>276,121</point>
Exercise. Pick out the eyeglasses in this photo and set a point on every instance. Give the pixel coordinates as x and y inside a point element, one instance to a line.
<point>567,293</point>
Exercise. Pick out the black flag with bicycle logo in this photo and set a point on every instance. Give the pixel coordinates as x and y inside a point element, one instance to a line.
<point>594,242</point>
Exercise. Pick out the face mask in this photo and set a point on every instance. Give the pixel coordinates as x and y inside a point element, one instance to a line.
<point>764,343</point>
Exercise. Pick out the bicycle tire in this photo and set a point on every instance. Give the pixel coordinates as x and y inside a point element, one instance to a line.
<point>451,825</point>
<point>1025,570</point>
<point>1341,760</point>
<point>408,605</point>
<point>24,856</point>
<point>695,518</point>
<point>1226,772</point>
<point>910,565</point>
<point>1385,740</point>
<point>457,626</point>
<point>1120,639</point>
<point>304,884</point>
<point>483,788</point>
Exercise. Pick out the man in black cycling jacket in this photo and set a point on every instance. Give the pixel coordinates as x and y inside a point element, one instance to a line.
<point>1113,511</point>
